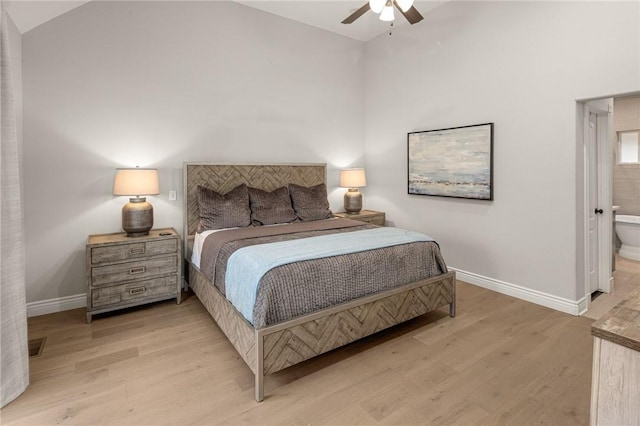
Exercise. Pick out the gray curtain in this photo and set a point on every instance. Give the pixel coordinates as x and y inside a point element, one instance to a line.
<point>14,351</point>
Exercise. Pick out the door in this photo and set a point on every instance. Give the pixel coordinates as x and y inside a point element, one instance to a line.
<point>598,195</point>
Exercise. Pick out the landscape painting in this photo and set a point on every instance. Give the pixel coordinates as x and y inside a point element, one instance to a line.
<point>455,162</point>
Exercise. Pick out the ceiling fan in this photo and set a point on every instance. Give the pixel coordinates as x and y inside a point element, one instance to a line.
<point>385,9</point>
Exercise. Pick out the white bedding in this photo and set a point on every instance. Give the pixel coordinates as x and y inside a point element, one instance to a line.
<point>199,238</point>
<point>198,242</point>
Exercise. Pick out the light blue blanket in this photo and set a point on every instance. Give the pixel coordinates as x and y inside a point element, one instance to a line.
<point>247,265</point>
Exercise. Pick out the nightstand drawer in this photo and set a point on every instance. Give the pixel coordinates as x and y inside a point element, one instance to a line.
<point>130,293</point>
<point>368,216</point>
<point>128,271</point>
<point>375,220</point>
<point>132,250</point>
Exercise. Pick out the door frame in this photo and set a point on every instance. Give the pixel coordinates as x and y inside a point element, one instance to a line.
<point>603,108</point>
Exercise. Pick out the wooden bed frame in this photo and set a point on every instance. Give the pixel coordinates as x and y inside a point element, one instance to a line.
<point>276,347</point>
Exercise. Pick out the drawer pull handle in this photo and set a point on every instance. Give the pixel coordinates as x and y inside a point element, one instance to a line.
<point>136,251</point>
<point>137,290</point>
<point>138,270</point>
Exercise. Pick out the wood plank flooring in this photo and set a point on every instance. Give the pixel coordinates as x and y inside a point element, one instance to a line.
<point>627,278</point>
<point>500,361</point>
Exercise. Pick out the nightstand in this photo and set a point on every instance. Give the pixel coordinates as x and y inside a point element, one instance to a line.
<point>129,271</point>
<point>369,216</point>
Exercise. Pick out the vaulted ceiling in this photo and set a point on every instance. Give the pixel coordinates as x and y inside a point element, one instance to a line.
<point>325,14</point>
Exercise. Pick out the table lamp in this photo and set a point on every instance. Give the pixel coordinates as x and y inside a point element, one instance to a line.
<point>137,215</point>
<point>352,179</point>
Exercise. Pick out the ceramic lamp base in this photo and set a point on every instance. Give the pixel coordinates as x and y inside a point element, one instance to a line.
<point>353,201</point>
<point>137,217</point>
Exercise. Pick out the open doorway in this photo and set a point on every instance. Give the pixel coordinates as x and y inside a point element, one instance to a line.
<point>607,186</point>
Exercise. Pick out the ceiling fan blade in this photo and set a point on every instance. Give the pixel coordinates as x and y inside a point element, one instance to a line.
<point>412,15</point>
<point>358,13</point>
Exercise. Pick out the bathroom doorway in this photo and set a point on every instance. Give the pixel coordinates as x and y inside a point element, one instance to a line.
<point>626,193</point>
<point>606,187</point>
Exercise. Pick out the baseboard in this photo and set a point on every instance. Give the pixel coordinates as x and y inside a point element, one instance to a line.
<point>573,307</point>
<point>583,305</point>
<point>60,304</point>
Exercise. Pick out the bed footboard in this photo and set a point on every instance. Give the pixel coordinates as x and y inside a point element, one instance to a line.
<point>276,347</point>
<point>282,345</point>
<point>237,329</point>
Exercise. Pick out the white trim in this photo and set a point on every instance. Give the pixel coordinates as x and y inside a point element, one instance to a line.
<point>585,204</point>
<point>577,307</point>
<point>573,307</point>
<point>603,109</point>
<point>605,196</point>
<point>586,200</point>
<point>583,304</point>
<point>60,304</point>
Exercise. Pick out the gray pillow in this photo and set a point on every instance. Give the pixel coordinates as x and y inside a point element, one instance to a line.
<point>310,203</point>
<point>268,208</point>
<point>223,211</point>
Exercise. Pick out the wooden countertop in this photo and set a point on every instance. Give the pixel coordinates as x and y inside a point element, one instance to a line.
<point>622,324</point>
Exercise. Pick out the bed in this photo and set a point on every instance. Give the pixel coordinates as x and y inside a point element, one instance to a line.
<point>273,346</point>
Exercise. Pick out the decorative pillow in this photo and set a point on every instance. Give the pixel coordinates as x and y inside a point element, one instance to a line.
<point>272,207</point>
<point>223,211</point>
<point>310,203</point>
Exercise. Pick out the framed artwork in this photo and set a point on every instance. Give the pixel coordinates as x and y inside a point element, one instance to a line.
<point>455,162</point>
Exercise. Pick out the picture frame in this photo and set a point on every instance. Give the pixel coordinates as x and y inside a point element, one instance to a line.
<point>454,162</point>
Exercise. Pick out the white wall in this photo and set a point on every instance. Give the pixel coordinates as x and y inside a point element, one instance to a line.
<point>155,84</point>
<point>521,65</point>
<point>120,84</point>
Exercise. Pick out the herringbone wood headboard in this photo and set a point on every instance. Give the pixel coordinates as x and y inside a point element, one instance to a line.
<point>224,177</point>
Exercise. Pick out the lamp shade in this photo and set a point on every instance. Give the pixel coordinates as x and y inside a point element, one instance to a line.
<point>387,12</point>
<point>136,182</point>
<point>352,178</point>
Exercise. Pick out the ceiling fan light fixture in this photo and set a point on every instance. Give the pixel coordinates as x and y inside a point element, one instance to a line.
<point>404,5</point>
<point>376,5</point>
<point>385,7</point>
<point>387,12</point>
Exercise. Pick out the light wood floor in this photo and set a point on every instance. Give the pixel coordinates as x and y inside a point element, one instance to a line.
<point>500,361</point>
<point>626,278</point>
